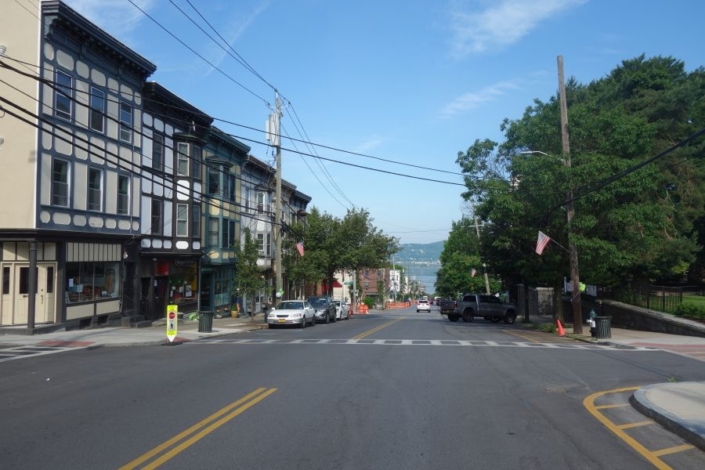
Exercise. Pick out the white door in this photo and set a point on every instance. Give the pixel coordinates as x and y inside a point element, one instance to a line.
<point>6,304</point>
<point>44,305</point>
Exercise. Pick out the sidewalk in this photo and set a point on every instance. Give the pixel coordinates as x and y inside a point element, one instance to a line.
<point>187,330</point>
<point>677,406</point>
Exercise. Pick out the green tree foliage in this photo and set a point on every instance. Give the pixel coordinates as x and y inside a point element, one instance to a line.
<point>628,225</point>
<point>248,276</point>
<point>459,257</point>
<point>333,244</point>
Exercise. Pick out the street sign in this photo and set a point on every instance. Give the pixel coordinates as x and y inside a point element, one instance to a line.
<point>172,320</point>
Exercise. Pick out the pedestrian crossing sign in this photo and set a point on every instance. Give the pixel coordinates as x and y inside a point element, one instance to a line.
<point>172,321</point>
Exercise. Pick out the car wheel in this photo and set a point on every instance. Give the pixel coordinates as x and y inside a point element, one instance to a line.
<point>468,317</point>
<point>303,322</point>
<point>327,320</point>
<point>509,318</point>
<point>495,319</point>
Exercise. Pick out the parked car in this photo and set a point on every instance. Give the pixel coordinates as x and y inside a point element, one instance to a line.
<point>291,312</point>
<point>324,308</point>
<point>488,307</point>
<point>342,310</point>
<point>424,306</point>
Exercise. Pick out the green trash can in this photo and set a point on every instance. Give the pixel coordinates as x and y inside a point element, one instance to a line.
<point>205,322</point>
<point>603,327</point>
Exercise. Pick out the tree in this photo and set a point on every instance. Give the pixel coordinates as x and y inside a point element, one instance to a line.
<point>248,275</point>
<point>628,224</point>
<point>333,245</point>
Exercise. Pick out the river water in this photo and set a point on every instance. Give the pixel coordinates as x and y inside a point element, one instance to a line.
<point>425,274</point>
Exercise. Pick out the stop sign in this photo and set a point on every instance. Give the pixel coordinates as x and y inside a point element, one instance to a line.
<point>171,315</point>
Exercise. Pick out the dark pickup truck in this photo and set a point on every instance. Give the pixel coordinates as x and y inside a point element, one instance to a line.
<point>470,306</point>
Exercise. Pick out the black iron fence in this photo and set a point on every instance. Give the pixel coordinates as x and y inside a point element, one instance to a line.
<point>660,298</point>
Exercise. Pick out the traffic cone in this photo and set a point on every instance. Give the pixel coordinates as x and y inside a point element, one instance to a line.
<point>561,332</point>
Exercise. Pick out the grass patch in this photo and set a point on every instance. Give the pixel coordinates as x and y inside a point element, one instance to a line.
<point>546,327</point>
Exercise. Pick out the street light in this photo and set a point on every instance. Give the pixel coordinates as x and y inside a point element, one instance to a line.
<point>572,250</point>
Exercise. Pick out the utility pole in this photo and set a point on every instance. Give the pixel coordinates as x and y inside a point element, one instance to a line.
<point>484,266</point>
<point>572,250</point>
<point>275,126</point>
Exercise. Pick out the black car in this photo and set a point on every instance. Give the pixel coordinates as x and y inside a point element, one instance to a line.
<point>324,307</point>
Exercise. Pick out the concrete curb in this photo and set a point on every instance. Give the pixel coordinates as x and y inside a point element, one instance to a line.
<point>668,420</point>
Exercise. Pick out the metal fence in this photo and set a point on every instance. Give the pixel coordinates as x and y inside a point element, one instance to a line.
<point>660,298</point>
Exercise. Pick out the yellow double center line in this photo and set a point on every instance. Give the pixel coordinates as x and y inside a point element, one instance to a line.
<point>199,430</point>
<point>375,330</point>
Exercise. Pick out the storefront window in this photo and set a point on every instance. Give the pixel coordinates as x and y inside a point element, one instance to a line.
<point>92,281</point>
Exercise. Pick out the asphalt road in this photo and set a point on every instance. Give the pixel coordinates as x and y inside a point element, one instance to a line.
<point>399,390</point>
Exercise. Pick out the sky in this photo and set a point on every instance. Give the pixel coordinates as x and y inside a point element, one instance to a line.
<point>387,91</point>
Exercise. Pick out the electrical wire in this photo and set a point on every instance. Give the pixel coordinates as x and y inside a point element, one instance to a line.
<point>199,55</point>
<point>258,130</point>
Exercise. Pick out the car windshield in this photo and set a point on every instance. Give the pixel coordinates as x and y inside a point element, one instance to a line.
<point>318,303</point>
<point>337,303</point>
<point>289,305</point>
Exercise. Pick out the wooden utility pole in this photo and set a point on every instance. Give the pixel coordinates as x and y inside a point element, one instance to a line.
<point>572,250</point>
<point>278,232</point>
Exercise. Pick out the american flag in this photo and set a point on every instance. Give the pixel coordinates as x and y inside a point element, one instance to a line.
<point>542,242</point>
<point>300,247</point>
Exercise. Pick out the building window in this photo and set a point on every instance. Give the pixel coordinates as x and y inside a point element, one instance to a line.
<point>157,213</point>
<point>6,280</point>
<point>213,232</point>
<point>196,222</point>
<point>197,161</point>
<point>231,236</point>
<point>247,199</point>
<point>231,187</point>
<point>183,159</point>
<point>158,152</point>
<point>260,243</point>
<point>260,202</point>
<point>60,184</point>
<point>182,220</point>
<point>226,182</point>
<point>213,181</point>
<point>50,280</point>
<point>94,189</point>
<point>92,281</point>
<point>123,196</point>
<point>125,122</point>
<point>225,235</point>
<point>63,94</point>
<point>96,116</point>
<point>269,244</point>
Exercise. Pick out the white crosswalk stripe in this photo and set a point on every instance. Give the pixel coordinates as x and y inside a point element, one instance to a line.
<point>425,342</point>
<point>10,354</point>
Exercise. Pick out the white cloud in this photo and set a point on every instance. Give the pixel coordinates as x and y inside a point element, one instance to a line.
<point>502,24</point>
<point>370,144</point>
<point>237,27</point>
<point>475,99</point>
<point>118,17</point>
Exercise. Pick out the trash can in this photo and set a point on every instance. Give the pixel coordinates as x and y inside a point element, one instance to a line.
<point>602,325</point>
<point>205,322</point>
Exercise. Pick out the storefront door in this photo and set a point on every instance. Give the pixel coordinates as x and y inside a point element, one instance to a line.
<point>44,299</point>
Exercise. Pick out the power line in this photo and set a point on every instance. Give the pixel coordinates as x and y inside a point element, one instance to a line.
<point>293,139</point>
<point>199,55</point>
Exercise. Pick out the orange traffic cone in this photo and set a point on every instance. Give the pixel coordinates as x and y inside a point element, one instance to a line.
<point>561,332</point>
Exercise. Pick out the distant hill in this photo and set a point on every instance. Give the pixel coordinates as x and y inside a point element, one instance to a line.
<point>419,253</point>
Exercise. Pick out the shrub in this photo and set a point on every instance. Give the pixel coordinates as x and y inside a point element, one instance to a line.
<point>690,311</point>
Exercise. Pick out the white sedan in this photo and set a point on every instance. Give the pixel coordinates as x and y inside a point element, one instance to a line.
<point>423,306</point>
<point>292,312</point>
<point>342,310</point>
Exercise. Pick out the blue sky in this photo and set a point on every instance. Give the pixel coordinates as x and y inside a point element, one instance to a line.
<point>412,81</point>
